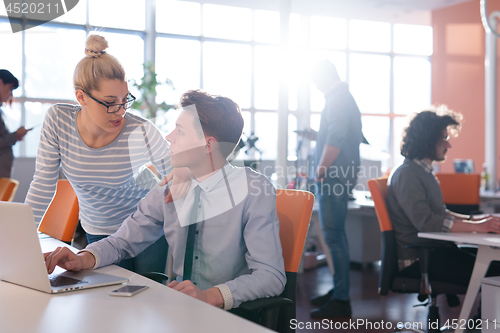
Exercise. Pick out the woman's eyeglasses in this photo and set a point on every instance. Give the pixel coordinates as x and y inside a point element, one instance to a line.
<point>113,108</point>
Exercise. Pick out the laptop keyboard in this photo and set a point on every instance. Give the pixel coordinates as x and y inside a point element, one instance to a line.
<point>61,281</point>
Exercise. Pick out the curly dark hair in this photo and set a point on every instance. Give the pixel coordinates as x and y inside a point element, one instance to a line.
<point>426,129</point>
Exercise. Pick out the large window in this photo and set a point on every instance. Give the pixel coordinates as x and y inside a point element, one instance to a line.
<point>44,57</point>
<point>233,51</point>
<point>388,71</point>
<point>227,71</point>
<point>386,66</point>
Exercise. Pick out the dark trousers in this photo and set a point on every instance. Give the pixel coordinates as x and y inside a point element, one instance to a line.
<point>452,265</point>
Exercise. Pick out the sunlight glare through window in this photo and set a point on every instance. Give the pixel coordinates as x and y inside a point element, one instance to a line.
<point>129,50</point>
<point>327,32</point>
<point>369,36</point>
<point>178,17</point>
<point>12,60</point>
<point>49,75</point>
<point>412,84</point>
<point>227,22</point>
<point>267,26</point>
<point>413,39</point>
<point>369,82</point>
<point>227,71</point>
<point>170,53</point>
<point>124,14</point>
<point>267,63</point>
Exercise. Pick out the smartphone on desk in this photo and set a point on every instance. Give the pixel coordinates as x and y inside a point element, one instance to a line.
<point>128,290</point>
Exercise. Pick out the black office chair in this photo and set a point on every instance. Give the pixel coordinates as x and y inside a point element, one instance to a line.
<point>390,278</point>
<point>155,276</point>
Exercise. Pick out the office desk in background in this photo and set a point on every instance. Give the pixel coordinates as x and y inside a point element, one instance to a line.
<point>362,229</point>
<point>490,201</point>
<point>158,309</point>
<point>487,251</point>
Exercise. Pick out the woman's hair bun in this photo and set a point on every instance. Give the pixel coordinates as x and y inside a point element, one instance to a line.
<point>95,46</point>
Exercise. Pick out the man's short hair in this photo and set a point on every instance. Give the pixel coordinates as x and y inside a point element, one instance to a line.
<point>8,78</point>
<point>426,129</point>
<point>219,116</point>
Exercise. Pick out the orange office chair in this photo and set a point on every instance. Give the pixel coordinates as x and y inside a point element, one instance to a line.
<point>8,188</point>
<point>61,218</point>
<point>390,278</point>
<point>294,212</point>
<point>460,191</point>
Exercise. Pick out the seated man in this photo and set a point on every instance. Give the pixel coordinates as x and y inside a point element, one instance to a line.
<point>415,202</point>
<point>224,234</point>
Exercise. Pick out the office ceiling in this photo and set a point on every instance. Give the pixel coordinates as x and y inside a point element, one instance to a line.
<point>397,11</point>
<point>407,4</point>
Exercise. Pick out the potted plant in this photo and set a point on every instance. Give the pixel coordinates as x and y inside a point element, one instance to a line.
<point>146,101</point>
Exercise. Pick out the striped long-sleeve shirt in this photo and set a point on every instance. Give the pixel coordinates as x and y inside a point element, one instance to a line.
<point>108,181</point>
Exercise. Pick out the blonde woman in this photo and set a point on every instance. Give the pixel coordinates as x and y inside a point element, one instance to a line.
<point>102,151</point>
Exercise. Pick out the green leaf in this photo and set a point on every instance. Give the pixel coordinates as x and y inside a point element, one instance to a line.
<point>147,88</point>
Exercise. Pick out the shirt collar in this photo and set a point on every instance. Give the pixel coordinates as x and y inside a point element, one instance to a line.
<point>428,168</point>
<point>337,86</point>
<point>208,184</point>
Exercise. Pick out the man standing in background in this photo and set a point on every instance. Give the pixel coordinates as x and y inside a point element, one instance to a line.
<point>336,161</point>
<point>8,82</point>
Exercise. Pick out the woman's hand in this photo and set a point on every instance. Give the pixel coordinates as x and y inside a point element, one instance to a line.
<point>181,182</point>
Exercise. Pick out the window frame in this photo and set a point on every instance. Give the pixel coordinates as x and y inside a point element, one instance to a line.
<point>150,35</point>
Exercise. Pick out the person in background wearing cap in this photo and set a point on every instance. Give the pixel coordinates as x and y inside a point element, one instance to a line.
<point>8,82</point>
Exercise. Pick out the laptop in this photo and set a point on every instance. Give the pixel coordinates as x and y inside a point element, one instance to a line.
<point>22,261</point>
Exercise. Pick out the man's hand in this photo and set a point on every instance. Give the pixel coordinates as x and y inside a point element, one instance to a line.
<point>211,296</point>
<point>328,157</point>
<point>490,224</point>
<point>319,178</point>
<point>181,182</point>
<point>65,258</point>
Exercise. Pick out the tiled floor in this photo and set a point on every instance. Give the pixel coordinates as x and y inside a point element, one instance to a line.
<point>373,313</point>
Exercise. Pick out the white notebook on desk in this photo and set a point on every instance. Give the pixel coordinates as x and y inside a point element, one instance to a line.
<point>21,257</point>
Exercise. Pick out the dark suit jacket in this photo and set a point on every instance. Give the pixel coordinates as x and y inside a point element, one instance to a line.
<point>7,140</point>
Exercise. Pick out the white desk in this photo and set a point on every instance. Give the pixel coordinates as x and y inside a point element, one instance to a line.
<point>489,194</point>
<point>158,309</point>
<point>490,201</point>
<point>486,253</point>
